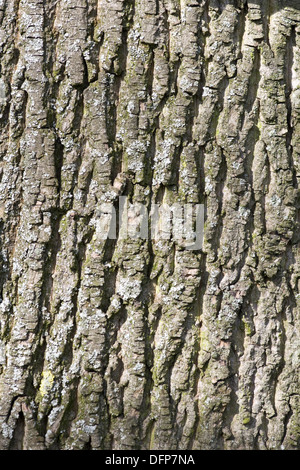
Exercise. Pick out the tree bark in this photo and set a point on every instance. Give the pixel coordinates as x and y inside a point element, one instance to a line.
<point>136,343</point>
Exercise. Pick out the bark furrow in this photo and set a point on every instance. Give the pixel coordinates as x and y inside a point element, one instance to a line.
<point>132,342</point>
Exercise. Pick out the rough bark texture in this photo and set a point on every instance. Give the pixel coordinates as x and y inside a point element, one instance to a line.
<point>133,344</point>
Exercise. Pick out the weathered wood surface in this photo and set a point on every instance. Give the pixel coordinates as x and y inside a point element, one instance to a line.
<point>133,344</point>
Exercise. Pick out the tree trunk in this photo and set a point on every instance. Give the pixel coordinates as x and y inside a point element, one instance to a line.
<point>132,342</point>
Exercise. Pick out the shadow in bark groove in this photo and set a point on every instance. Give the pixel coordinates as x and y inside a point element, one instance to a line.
<point>18,437</point>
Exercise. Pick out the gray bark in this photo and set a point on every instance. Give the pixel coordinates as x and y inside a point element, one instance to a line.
<point>132,343</point>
